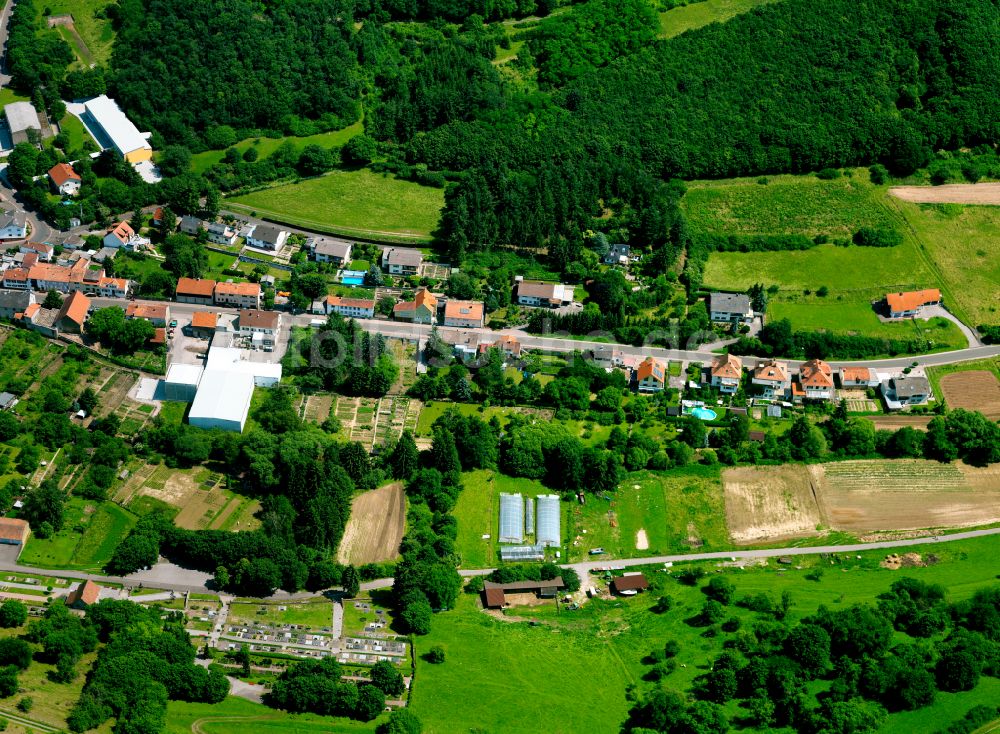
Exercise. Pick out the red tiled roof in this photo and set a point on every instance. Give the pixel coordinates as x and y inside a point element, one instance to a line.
<point>727,365</point>
<point>237,289</point>
<point>771,370</point>
<point>912,299</point>
<point>87,592</point>
<point>159,336</point>
<point>122,231</point>
<point>816,373</point>
<point>471,310</point>
<point>855,374</point>
<point>195,287</point>
<point>350,302</point>
<point>60,173</point>
<point>650,367</point>
<point>251,317</point>
<point>75,308</point>
<point>12,528</point>
<point>204,319</point>
<point>146,311</point>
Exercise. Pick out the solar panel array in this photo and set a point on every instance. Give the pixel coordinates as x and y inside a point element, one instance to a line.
<point>548,520</point>
<point>529,516</point>
<point>522,553</point>
<point>511,518</point>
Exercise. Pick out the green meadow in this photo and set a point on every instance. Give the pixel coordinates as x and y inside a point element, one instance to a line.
<point>201,162</point>
<point>350,203</point>
<point>697,14</point>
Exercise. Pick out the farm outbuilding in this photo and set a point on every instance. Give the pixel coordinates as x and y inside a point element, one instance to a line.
<point>511,518</point>
<point>495,595</point>
<point>548,533</point>
<point>522,553</point>
<point>630,582</point>
<point>14,532</point>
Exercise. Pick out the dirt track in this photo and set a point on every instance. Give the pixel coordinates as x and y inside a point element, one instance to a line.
<point>982,193</point>
<point>375,529</point>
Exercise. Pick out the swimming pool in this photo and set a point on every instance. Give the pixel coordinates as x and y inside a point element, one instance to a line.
<point>352,281</point>
<point>705,414</point>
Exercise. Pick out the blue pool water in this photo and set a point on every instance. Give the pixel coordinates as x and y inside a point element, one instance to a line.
<point>352,281</point>
<point>705,414</point>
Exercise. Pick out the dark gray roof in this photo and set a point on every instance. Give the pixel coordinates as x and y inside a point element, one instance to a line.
<point>267,233</point>
<point>18,300</point>
<point>397,256</point>
<point>728,302</point>
<point>910,385</point>
<point>330,247</point>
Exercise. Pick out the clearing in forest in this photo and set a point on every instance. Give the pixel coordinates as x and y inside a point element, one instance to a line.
<point>375,529</point>
<point>979,193</point>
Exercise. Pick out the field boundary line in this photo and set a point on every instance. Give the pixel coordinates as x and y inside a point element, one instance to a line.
<point>29,723</point>
<point>374,235</point>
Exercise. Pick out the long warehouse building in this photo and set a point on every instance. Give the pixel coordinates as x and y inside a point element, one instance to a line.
<point>106,117</point>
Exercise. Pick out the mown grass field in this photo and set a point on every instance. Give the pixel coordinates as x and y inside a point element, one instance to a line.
<point>74,129</point>
<point>803,205</point>
<point>351,203</point>
<point>238,716</point>
<point>963,242</point>
<point>857,317</point>
<point>312,612</point>
<point>90,533</point>
<point>857,272</point>
<point>201,162</point>
<point>679,510</point>
<point>508,676</point>
<point>677,20</point>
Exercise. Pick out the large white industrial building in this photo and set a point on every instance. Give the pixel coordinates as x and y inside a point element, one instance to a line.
<point>222,401</point>
<point>182,382</point>
<point>230,359</point>
<point>106,119</point>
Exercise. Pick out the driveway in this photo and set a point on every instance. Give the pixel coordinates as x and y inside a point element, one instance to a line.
<point>930,312</point>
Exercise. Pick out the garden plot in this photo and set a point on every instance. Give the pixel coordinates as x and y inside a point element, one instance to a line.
<point>895,422</point>
<point>405,353</point>
<point>318,407</point>
<point>203,502</point>
<point>395,414</point>
<point>375,528</point>
<point>975,390</point>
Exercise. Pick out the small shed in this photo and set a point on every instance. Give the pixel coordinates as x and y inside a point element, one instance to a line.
<point>630,582</point>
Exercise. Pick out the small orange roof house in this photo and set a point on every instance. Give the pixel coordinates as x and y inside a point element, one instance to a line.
<point>421,310</point>
<point>650,376</point>
<point>726,373</point>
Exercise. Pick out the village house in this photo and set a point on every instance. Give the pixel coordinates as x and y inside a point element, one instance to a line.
<point>221,233</point>
<point>158,314</point>
<point>266,237</point>
<point>195,290</point>
<point>534,293</point>
<point>464,344</point>
<point>14,531</point>
<point>464,314</point>
<point>14,302</point>
<point>239,295</point>
<point>726,372</point>
<point>421,310</point>
<point>17,279</point>
<point>112,287</point>
<point>83,595</point>
<point>123,236</point>
<point>42,320</point>
<point>606,357</point>
<point>261,326</point>
<point>64,179</point>
<point>13,226</point>
<point>73,314</point>
<point>772,380</point>
<point>900,392</point>
<point>733,308</point>
<point>650,376</point>
<point>349,308</point>
<point>401,261</point>
<point>618,255</point>
<point>104,254</point>
<point>329,250</point>
<point>815,381</point>
<point>509,346</point>
<point>911,303</point>
<point>857,377</point>
<point>190,225</point>
<point>42,251</point>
